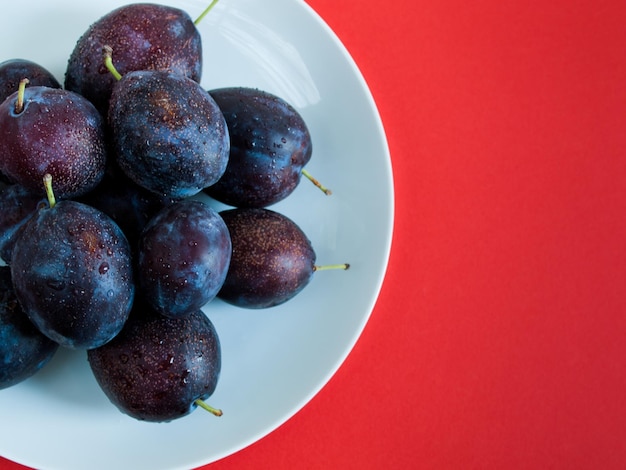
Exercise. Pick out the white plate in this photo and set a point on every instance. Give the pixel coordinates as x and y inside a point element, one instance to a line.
<point>276,360</point>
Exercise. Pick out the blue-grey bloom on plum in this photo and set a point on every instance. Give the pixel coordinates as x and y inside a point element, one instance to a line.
<point>18,205</point>
<point>184,254</point>
<point>270,144</point>
<point>24,350</point>
<point>169,135</point>
<point>72,273</point>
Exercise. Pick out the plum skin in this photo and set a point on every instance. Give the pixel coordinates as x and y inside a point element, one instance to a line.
<point>24,350</point>
<point>72,273</point>
<point>18,206</point>
<point>57,132</point>
<point>184,254</point>
<point>157,367</point>
<point>269,146</point>
<point>169,135</point>
<point>272,258</point>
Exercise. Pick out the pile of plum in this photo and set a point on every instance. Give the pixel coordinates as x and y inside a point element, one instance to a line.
<point>106,248</point>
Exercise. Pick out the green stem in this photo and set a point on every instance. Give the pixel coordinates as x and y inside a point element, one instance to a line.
<point>205,12</point>
<point>19,103</point>
<point>208,408</point>
<point>107,55</point>
<point>308,175</point>
<point>326,267</point>
<point>47,183</point>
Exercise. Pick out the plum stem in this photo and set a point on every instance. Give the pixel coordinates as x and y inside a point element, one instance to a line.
<point>205,12</point>
<point>326,267</point>
<point>209,408</point>
<point>324,189</point>
<point>47,183</point>
<point>19,103</point>
<point>107,55</point>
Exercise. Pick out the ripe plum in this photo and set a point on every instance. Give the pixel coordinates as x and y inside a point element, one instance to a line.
<point>23,349</point>
<point>169,135</point>
<point>49,130</point>
<point>272,259</point>
<point>184,253</point>
<point>72,273</point>
<point>145,37</point>
<point>12,71</point>
<point>269,146</point>
<point>18,205</point>
<point>159,368</point>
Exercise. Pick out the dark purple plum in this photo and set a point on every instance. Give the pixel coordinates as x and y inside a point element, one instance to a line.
<point>184,253</point>
<point>158,368</point>
<point>145,37</point>
<point>272,258</point>
<point>52,131</point>
<point>12,71</point>
<point>169,135</point>
<point>23,349</point>
<point>72,273</point>
<point>269,146</point>
<point>18,205</point>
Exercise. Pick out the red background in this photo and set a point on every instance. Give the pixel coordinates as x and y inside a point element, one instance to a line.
<point>497,341</point>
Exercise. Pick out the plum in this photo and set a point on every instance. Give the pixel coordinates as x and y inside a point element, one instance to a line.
<point>49,130</point>
<point>145,37</point>
<point>12,71</point>
<point>269,146</point>
<point>184,253</point>
<point>169,135</point>
<point>72,274</point>
<point>24,350</point>
<point>159,368</point>
<point>18,205</point>
<point>272,258</point>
